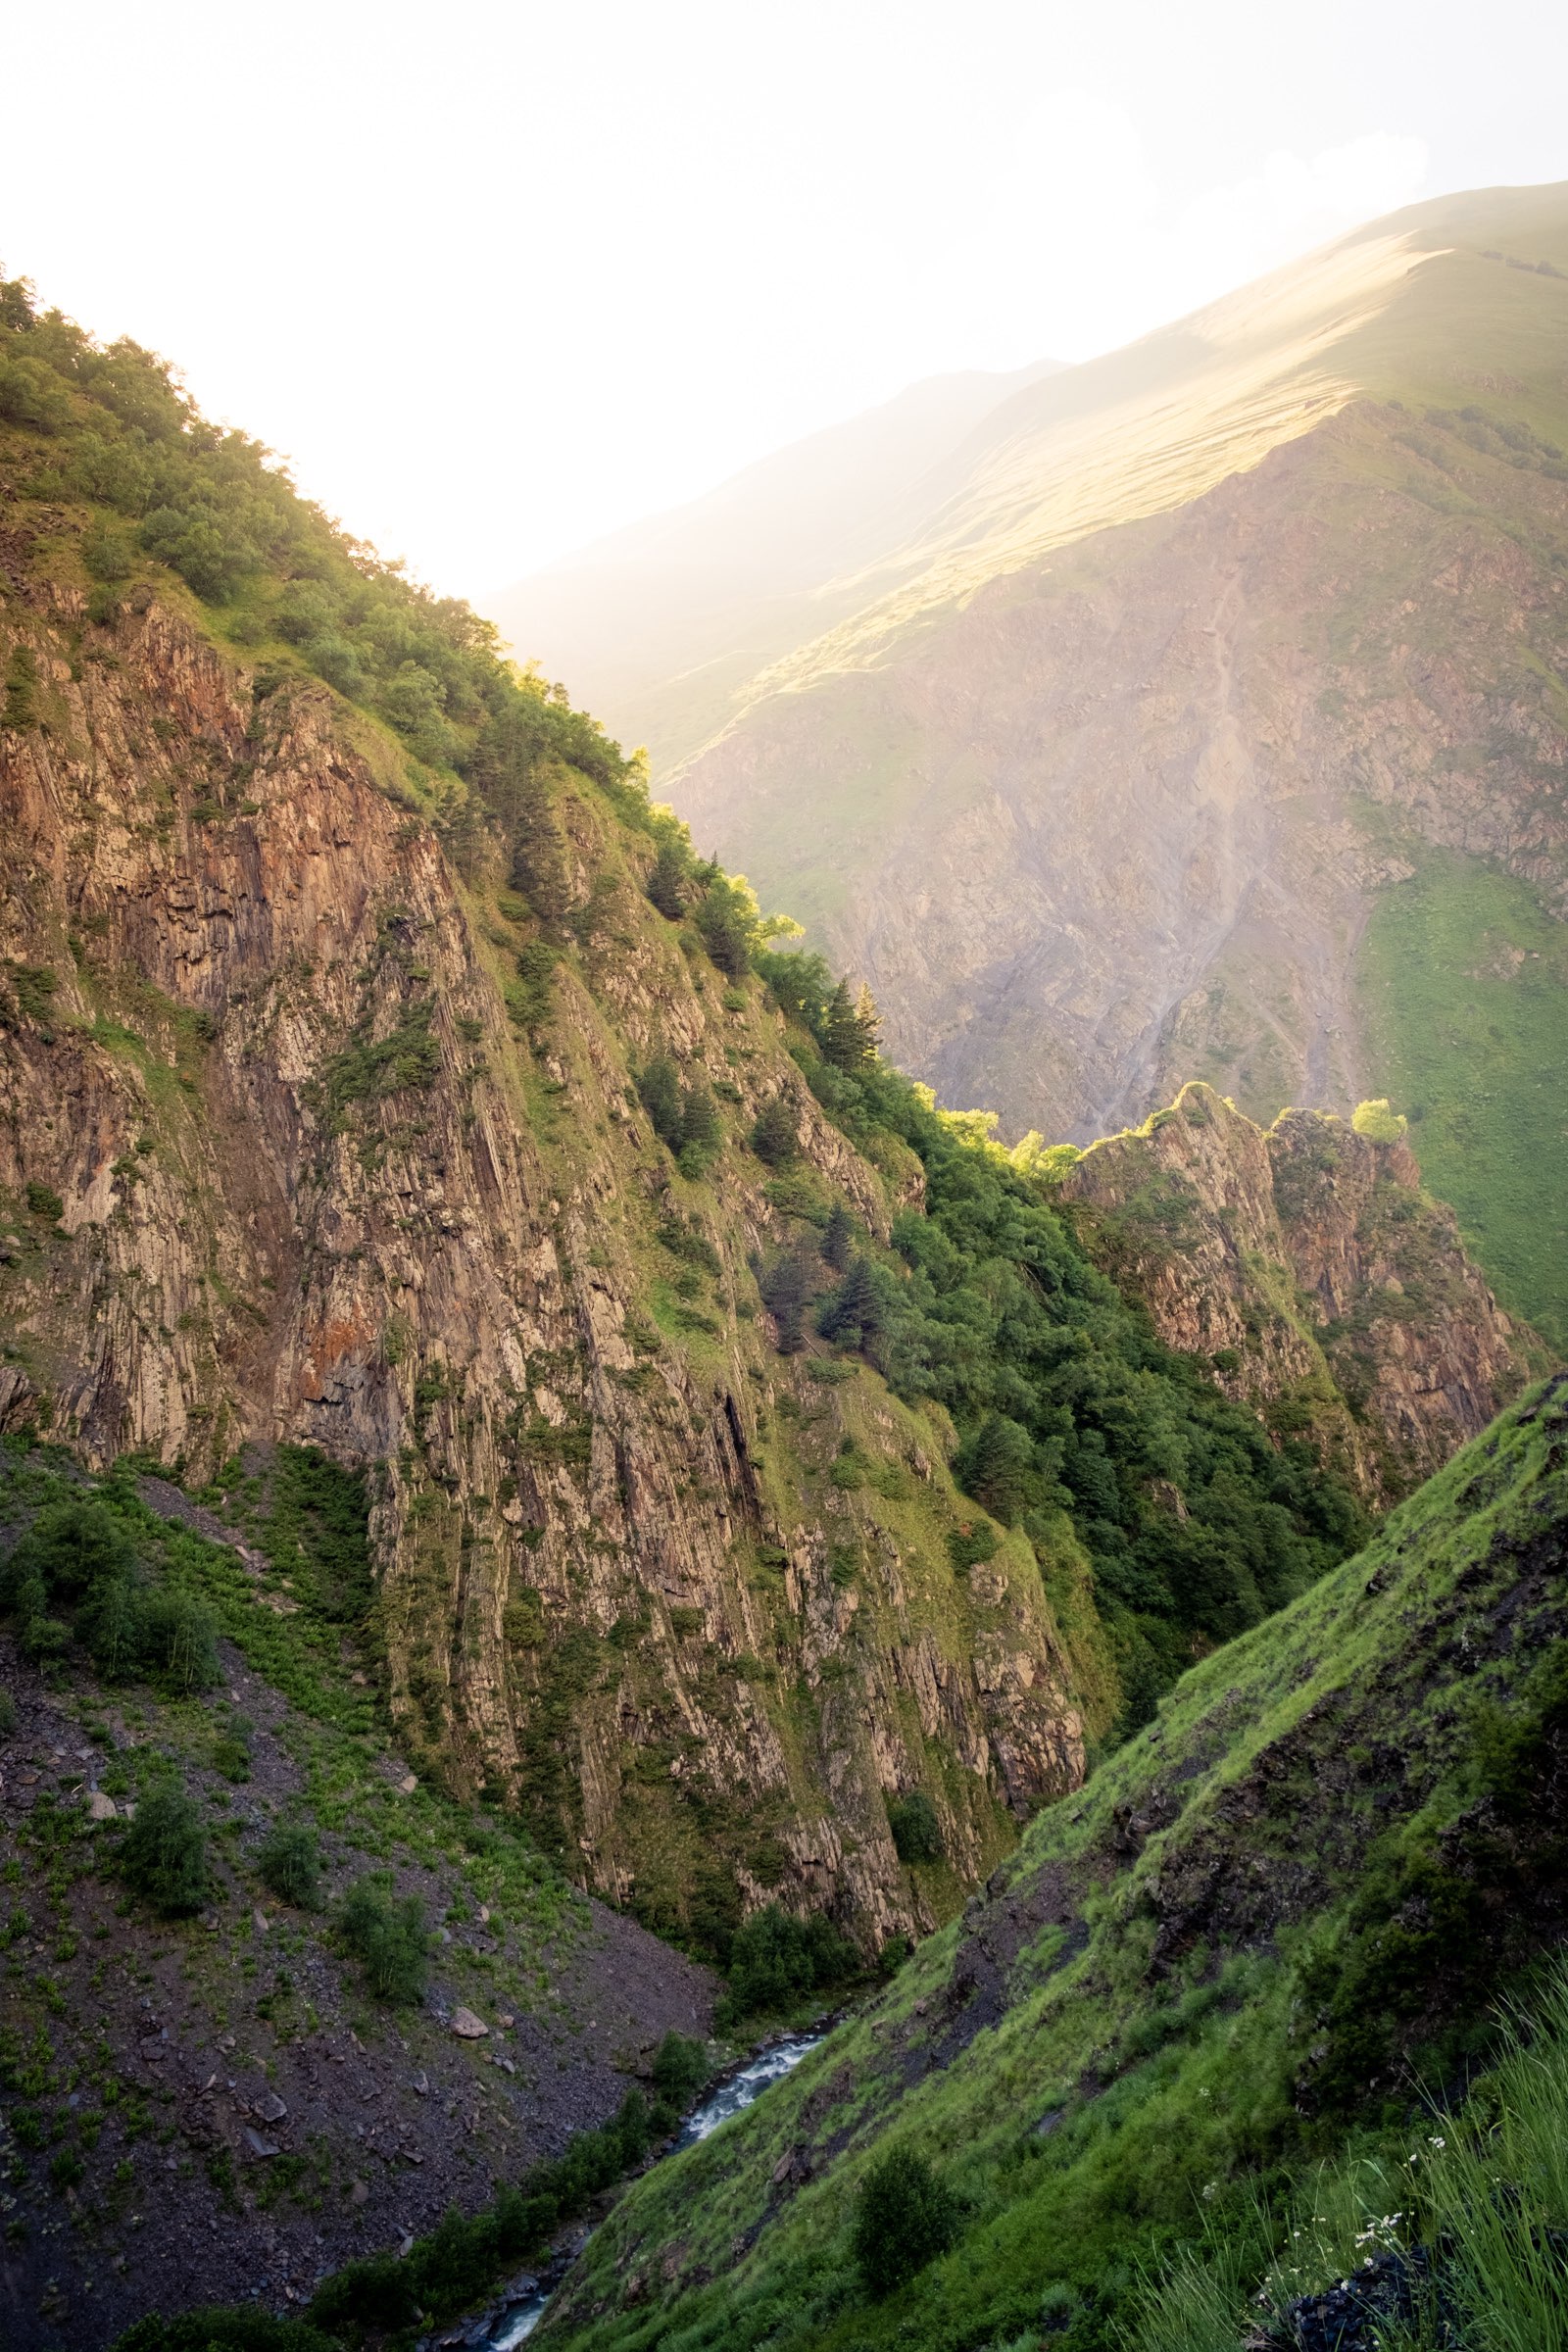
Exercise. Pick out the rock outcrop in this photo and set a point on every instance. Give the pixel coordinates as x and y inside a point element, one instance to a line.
<point>286,1156</point>
<point>1309,1268</point>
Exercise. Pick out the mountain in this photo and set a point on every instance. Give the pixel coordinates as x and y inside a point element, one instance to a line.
<point>505,1391</point>
<point>1211,725</point>
<point>658,626</point>
<point>1165,2017</point>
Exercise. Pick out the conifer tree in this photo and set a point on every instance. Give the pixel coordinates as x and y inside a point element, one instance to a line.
<point>850,1029</point>
<point>658,1086</point>
<point>854,1314</point>
<point>669,885</point>
<point>867,1023</point>
<point>786,1287</point>
<point>996,1467</point>
<point>701,1133</point>
<point>838,1235</point>
<point>776,1135</point>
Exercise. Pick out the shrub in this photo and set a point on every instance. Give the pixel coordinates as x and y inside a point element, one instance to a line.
<point>1378,1122</point>
<point>21,691</point>
<point>681,2068</point>
<point>904,2218</point>
<point>290,1864</point>
<point>387,1937</point>
<point>8,1714</point>
<point>917,1831</point>
<point>43,1203</point>
<point>179,1639</point>
<point>162,1856</point>
<point>231,1756</point>
<point>75,1546</point>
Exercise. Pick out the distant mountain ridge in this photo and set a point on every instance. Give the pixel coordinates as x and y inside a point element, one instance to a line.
<point>1211,722</point>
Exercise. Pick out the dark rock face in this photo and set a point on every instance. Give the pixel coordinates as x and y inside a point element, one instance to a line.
<point>1116,818</point>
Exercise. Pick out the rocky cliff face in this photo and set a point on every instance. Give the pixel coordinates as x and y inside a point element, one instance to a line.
<point>1309,1268</point>
<point>1148,792</point>
<point>281,1161</point>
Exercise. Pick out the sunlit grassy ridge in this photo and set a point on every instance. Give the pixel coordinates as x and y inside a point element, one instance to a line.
<point>1152,428</point>
<point>1312,1864</point>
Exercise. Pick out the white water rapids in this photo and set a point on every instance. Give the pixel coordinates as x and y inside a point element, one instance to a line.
<point>732,2097</point>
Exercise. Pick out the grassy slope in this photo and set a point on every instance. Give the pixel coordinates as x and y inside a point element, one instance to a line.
<point>1157,2047</point>
<point>1464,977</point>
<point>1147,430</point>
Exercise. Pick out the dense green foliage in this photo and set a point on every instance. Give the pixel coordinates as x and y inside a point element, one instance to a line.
<point>904,2218</point>
<point>777,1961</point>
<point>917,1831</point>
<point>776,1134</point>
<point>1198,1520</point>
<point>386,1933</point>
<point>1463,977</point>
<point>227,2329</point>
<point>76,1571</point>
<point>316,1532</point>
<point>289,1862</point>
<point>162,1856</point>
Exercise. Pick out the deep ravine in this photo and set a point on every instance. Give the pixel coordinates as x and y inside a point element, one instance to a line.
<point>514,2316</point>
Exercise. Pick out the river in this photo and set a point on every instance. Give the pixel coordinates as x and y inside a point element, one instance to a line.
<point>516,2321</point>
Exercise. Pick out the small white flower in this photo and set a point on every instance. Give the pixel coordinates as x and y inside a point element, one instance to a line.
<point>1436,2140</point>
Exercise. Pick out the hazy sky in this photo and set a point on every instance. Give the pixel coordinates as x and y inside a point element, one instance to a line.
<point>500,278</point>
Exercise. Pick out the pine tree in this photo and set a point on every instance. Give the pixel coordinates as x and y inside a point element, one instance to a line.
<point>659,1087</point>
<point>701,1133</point>
<point>841,1038</point>
<point>850,1029</point>
<point>837,1237</point>
<point>854,1314</point>
<point>786,1287</point>
<point>776,1135</point>
<point>724,935</point>
<point>996,1467</point>
<point>669,885</point>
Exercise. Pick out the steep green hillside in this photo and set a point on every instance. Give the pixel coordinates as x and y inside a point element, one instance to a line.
<point>1318,1867</point>
<point>1465,978</point>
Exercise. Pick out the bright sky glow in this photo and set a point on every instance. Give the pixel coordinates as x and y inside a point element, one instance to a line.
<point>499,279</point>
